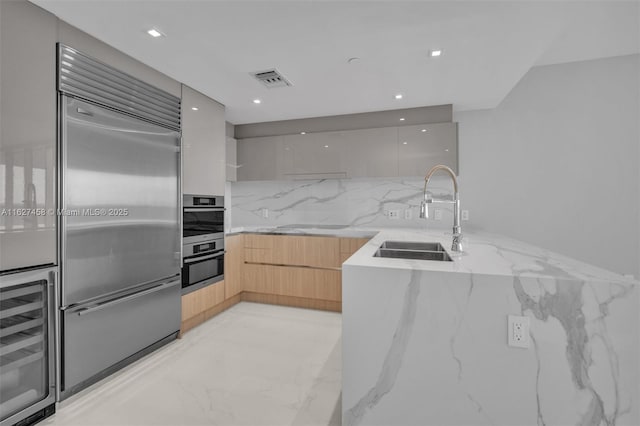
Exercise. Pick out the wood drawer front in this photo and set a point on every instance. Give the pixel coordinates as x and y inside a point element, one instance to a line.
<point>309,283</point>
<point>320,252</point>
<point>258,278</point>
<point>258,255</point>
<point>258,241</point>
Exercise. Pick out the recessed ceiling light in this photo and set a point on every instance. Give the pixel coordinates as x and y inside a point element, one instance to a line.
<point>303,133</point>
<point>399,96</point>
<point>446,150</point>
<point>404,143</point>
<point>434,53</point>
<point>326,146</point>
<point>194,108</point>
<point>402,119</point>
<point>154,33</point>
<point>257,101</point>
<point>423,130</point>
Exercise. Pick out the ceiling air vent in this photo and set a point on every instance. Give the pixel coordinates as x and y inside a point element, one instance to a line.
<point>271,78</point>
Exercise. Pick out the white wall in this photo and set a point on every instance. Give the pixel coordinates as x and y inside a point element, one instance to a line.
<point>556,164</point>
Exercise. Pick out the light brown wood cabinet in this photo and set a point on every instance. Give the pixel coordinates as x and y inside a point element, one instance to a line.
<point>293,250</point>
<point>292,270</point>
<point>202,304</point>
<point>296,270</point>
<point>233,264</point>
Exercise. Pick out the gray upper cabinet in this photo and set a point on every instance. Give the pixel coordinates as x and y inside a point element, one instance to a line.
<point>203,144</point>
<point>263,159</point>
<point>232,160</point>
<point>314,155</point>
<point>28,37</point>
<point>378,152</point>
<point>371,152</point>
<point>424,146</point>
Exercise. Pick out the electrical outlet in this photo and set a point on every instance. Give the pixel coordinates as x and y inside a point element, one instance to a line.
<point>408,214</point>
<point>437,214</point>
<point>394,214</point>
<point>265,213</point>
<point>518,331</point>
<point>465,214</point>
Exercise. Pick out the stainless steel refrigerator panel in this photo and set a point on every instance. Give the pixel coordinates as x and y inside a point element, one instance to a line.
<point>120,200</point>
<point>99,337</point>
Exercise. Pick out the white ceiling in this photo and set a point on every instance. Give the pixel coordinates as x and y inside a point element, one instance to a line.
<point>213,45</point>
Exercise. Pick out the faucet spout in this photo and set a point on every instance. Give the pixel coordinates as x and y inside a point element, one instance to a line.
<point>424,209</point>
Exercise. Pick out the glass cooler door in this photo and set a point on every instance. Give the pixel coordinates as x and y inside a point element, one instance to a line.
<point>26,376</point>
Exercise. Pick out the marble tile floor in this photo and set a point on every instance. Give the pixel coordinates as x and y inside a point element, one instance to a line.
<point>253,364</point>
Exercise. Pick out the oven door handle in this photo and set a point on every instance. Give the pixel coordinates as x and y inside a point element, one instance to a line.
<point>198,259</point>
<point>203,209</point>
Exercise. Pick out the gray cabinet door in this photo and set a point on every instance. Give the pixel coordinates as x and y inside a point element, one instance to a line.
<point>27,135</point>
<point>232,160</point>
<point>265,158</point>
<point>316,155</point>
<point>371,152</point>
<point>421,147</point>
<point>203,144</point>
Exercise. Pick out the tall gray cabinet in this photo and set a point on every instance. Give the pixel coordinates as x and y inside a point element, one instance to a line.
<point>27,135</point>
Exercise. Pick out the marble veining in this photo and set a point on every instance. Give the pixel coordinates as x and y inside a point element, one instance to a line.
<point>353,202</point>
<point>583,366</point>
<point>393,360</point>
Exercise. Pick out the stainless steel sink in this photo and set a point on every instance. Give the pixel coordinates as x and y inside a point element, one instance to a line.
<point>412,245</point>
<point>414,254</point>
<point>413,250</point>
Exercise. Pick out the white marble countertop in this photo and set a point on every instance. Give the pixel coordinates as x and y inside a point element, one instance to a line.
<point>487,254</point>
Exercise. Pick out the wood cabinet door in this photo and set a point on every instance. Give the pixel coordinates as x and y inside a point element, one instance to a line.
<point>233,265</point>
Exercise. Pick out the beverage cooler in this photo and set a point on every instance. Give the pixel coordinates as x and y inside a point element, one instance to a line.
<point>27,369</point>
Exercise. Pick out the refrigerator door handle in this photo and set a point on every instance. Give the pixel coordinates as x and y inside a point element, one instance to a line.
<point>109,303</point>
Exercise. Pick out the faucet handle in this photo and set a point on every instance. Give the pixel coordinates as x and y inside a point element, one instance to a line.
<point>424,210</point>
<point>456,244</point>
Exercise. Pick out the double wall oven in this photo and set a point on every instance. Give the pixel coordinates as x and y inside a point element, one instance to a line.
<point>202,241</point>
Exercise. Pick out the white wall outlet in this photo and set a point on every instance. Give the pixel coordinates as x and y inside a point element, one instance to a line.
<point>394,214</point>
<point>518,331</point>
<point>265,213</point>
<point>437,214</point>
<point>408,214</point>
<point>465,215</point>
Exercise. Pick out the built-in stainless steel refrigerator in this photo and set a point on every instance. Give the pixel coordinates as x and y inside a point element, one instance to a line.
<point>120,239</point>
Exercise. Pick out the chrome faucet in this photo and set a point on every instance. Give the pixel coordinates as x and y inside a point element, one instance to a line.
<point>424,209</point>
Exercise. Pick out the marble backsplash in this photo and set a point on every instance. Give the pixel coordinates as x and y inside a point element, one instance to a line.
<point>353,202</point>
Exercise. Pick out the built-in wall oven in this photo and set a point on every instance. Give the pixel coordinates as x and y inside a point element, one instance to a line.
<point>203,218</point>
<point>203,241</point>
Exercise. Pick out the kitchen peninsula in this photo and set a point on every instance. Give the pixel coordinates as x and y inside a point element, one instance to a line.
<point>425,342</point>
